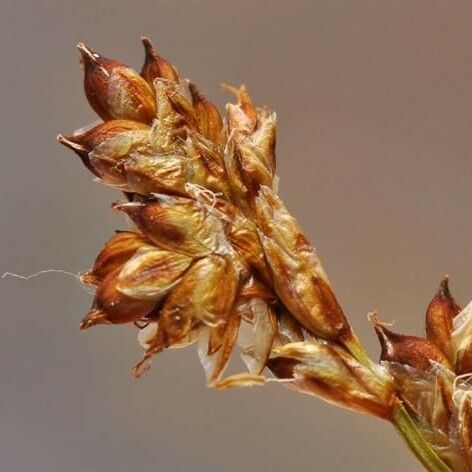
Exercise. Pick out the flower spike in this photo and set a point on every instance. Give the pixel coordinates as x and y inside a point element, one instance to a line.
<point>216,258</point>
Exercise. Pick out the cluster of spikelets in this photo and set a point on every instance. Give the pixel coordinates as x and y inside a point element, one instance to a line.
<point>216,258</point>
<point>433,375</point>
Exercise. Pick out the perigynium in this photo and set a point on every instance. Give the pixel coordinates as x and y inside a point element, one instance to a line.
<point>216,258</point>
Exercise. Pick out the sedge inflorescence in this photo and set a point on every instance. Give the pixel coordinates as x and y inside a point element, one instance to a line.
<point>215,257</point>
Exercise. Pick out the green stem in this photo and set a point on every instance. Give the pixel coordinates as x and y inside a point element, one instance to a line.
<point>410,432</point>
<point>402,421</point>
<point>357,350</point>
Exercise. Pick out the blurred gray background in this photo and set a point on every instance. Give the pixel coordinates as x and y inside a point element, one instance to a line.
<point>374,101</point>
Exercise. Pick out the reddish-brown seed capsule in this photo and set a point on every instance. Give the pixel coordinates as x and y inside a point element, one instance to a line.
<point>439,315</point>
<point>87,140</point>
<point>114,254</point>
<point>114,90</point>
<point>69,141</point>
<point>206,293</point>
<point>176,224</point>
<point>308,297</point>
<point>111,306</point>
<point>151,273</point>
<point>298,276</point>
<point>204,296</point>
<point>155,66</point>
<point>84,142</point>
<point>410,350</point>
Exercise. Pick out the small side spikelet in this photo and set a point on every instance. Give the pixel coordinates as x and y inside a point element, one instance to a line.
<point>432,375</point>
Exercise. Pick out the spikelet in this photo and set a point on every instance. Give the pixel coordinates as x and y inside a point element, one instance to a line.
<point>326,370</point>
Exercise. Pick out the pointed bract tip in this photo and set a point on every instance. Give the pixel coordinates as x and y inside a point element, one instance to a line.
<point>148,47</point>
<point>127,207</point>
<point>383,333</point>
<point>140,368</point>
<point>443,289</point>
<point>224,87</point>
<point>373,317</point>
<point>69,142</point>
<point>93,318</point>
<point>145,363</point>
<point>197,96</point>
<point>155,66</point>
<point>89,56</point>
<point>88,278</point>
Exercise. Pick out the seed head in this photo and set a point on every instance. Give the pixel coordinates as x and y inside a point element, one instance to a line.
<point>216,258</point>
<point>114,90</point>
